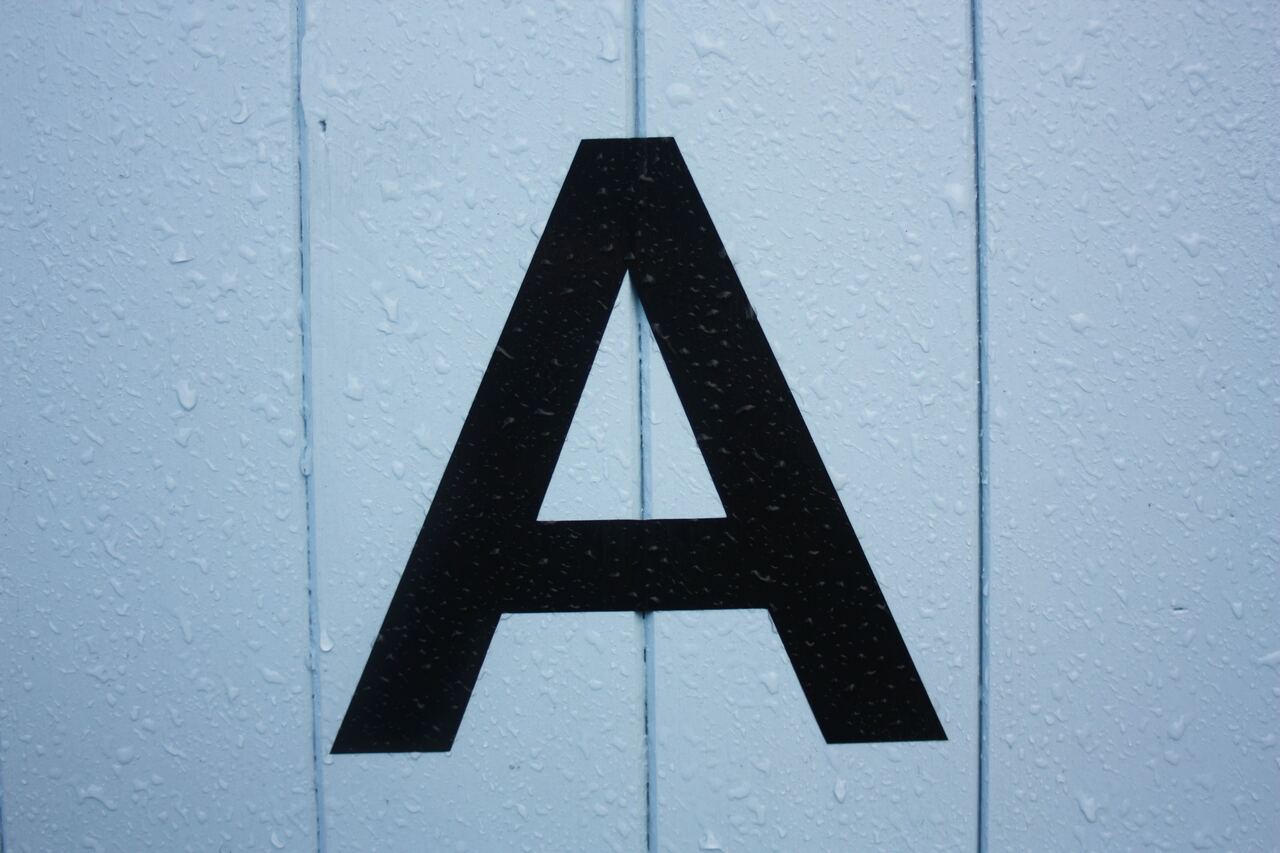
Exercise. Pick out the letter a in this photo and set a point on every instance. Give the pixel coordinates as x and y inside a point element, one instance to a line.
<point>785,543</point>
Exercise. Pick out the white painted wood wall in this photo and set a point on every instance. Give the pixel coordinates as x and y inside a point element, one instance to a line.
<point>254,259</point>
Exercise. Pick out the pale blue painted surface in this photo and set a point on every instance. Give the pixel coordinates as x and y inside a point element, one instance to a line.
<point>834,151</point>
<point>445,140</point>
<point>1134,343</point>
<point>154,693</point>
<point>154,690</point>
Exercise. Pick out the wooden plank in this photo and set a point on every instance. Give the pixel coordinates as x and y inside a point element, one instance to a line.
<point>833,148</point>
<point>1132,244</point>
<point>438,141</point>
<point>153,581</point>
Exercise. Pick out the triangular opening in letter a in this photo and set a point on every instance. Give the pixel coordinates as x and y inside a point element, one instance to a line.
<point>597,475</point>
<point>629,416</point>
<point>679,484</point>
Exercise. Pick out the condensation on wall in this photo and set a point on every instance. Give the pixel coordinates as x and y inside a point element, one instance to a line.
<point>1018,264</point>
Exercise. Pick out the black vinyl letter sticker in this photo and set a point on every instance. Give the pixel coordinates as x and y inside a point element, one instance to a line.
<point>785,543</point>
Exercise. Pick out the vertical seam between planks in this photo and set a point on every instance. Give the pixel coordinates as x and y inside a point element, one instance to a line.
<point>308,434</point>
<point>646,481</point>
<point>3,826</point>
<point>984,425</point>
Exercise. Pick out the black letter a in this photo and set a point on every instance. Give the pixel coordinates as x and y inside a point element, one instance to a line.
<point>630,205</point>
